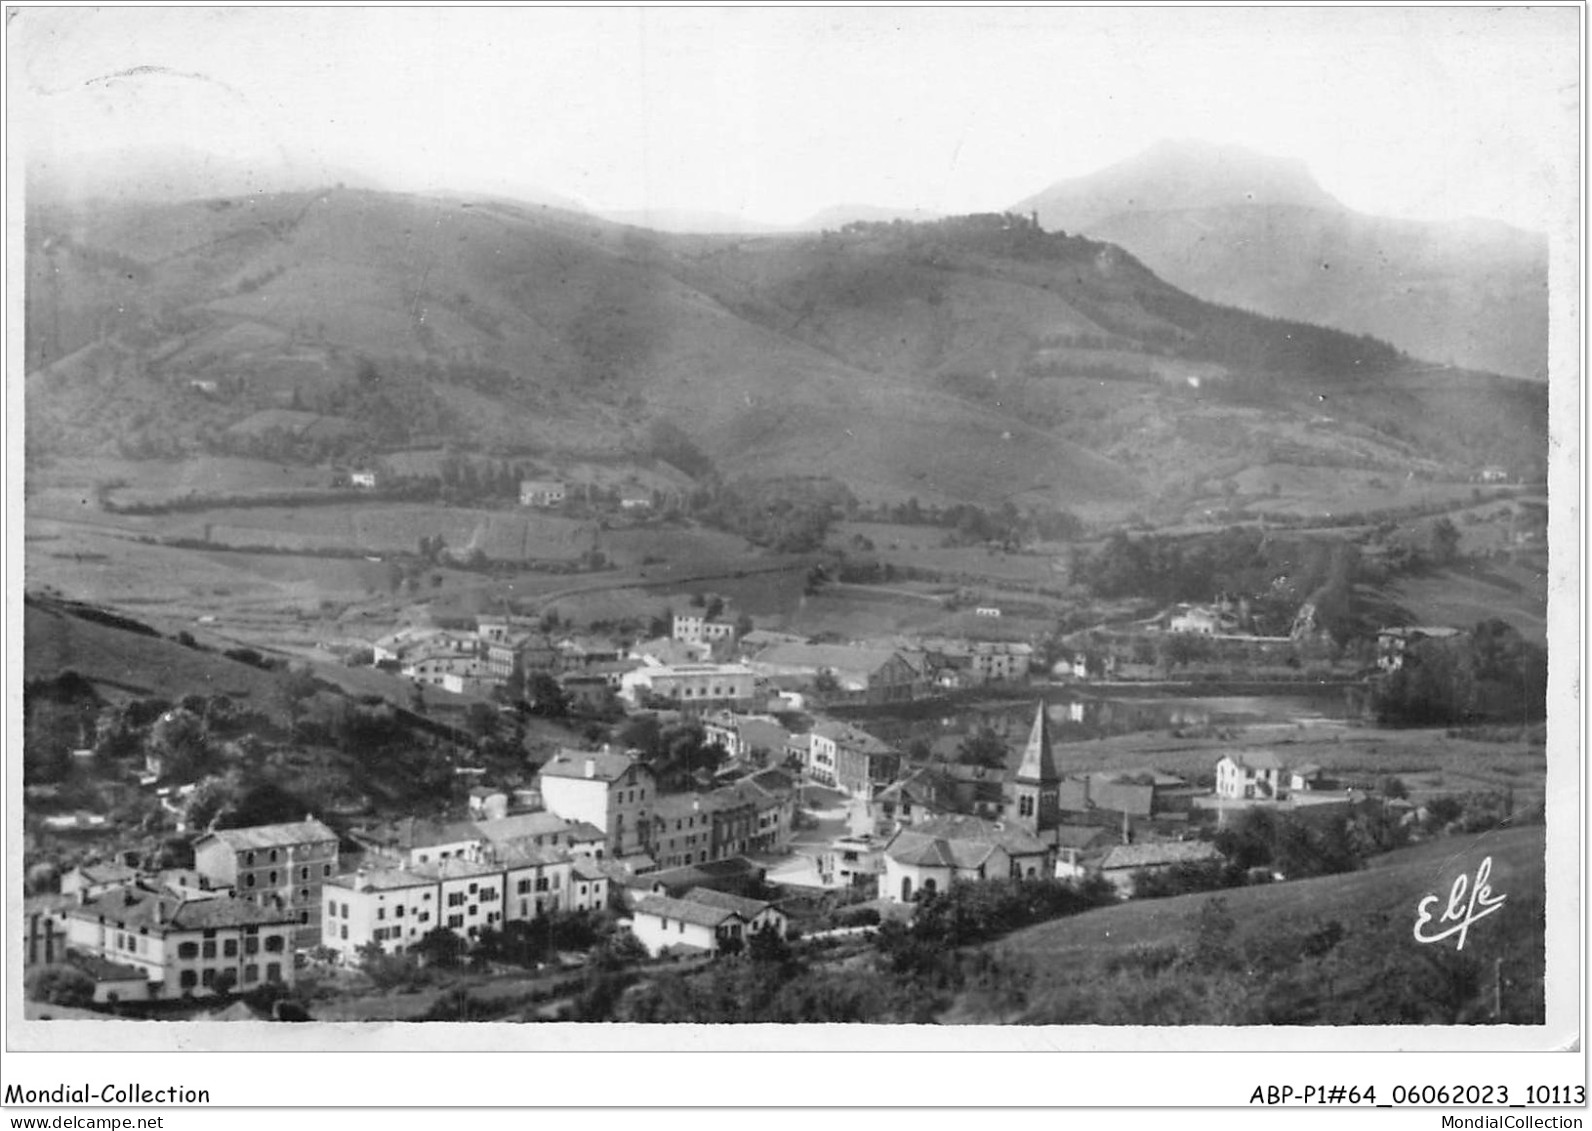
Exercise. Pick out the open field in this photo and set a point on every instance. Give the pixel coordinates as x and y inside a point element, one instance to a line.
<point>1427,760</point>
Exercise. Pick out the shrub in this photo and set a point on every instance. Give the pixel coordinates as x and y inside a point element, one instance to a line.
<point>60,985</point>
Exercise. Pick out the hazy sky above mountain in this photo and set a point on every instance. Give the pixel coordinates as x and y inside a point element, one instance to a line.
<point>772,114</point>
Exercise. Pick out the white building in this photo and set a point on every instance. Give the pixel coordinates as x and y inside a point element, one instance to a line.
<point>541,492</point>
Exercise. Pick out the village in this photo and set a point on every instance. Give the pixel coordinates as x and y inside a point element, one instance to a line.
<point>788,815</point>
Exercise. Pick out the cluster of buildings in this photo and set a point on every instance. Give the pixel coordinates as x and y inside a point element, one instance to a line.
<point>705,663</point>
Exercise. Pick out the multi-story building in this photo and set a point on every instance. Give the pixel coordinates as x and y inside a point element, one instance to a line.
<point>397,907</point>
<point>850,759</point>
<point>186,947</point>
<point>692,629</point>
<point>280,865</point>
<point>614,792</point>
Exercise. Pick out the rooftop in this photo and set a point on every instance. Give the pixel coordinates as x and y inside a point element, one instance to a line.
<point>686,911</point>
<point>960,841</point>
<point>573,763</point>
<point>747,909</point>
<point>272,836</point>
<point>162,912</point>
<point>1159,855</point>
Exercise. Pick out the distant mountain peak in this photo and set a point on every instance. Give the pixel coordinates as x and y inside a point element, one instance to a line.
<point>1176,174</point>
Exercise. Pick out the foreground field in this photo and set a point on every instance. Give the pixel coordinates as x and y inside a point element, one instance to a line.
<point>1334,950</point>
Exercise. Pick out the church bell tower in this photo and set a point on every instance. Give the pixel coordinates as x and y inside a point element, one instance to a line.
<point>1038,782</point>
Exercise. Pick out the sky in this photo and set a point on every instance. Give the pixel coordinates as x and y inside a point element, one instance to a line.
<point>771,114</point>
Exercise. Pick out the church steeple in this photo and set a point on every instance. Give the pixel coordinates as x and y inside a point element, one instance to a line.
<point>1036,785</point>
<point>1039,761</point>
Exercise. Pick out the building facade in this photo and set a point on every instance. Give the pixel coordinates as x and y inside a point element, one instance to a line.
<point>281,865</point>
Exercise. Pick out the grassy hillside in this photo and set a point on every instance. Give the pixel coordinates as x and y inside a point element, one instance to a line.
<point>977,359</point>
<point>1334,950</point>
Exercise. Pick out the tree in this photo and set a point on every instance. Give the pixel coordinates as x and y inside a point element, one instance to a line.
<point>60,985</point>
<point>983,748</point>
<point>440,947</point>
<point>179,740</point>
<point>546,697</point>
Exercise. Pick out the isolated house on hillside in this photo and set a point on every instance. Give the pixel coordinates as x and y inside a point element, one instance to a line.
<point>1393,643</point>
<point>541,492</point>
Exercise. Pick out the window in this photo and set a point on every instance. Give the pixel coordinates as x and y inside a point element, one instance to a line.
<point>229,948</point>
<point>188,979</point>
<point>273,877</point>
<point>209,950</point>
<point>251,946</point>
<point>207,977</point>
<point>522,887</point>
<point>326,870</point>
<point>425,916</point>
<point>455,921</point>
<point>381,913</point>
<point>251,973</point>
<point>273,971</point>
<point>398,912</point>
<point>304,916</point>
<point>248,859</point>
<point>304,873</point>
<point>343,931</point>
<point>186,950</point>
<point>273,944</point>
<point>331,909</point>
<point>273,856</point>
<point>488,894</point>
<point>248,881</point>
<point>541,883</point>
<point>455,899</point>
<point>557,881</point>
<point>472,889</point>
<point>304,893</point>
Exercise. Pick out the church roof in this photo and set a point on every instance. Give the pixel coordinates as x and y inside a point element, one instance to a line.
<point>1039,761</point>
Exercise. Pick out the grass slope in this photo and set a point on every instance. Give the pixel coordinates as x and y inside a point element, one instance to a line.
<point>1100,966</point>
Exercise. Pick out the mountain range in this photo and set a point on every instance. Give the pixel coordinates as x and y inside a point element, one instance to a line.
<point>1240,227</point>
<point>977,359</point>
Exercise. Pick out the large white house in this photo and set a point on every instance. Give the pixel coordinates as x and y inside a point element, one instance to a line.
<point>613,792</point>
<point>1260,775</point>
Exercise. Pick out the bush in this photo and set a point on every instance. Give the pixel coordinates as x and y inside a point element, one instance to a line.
<point>60,985</point>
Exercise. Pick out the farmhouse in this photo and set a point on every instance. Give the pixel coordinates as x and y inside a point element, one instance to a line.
<point>541,492</point>
<point>1262,775</point>
<point>1393,643</point>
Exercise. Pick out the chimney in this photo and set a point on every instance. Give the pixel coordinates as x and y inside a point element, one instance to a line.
<point>591,767</point>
